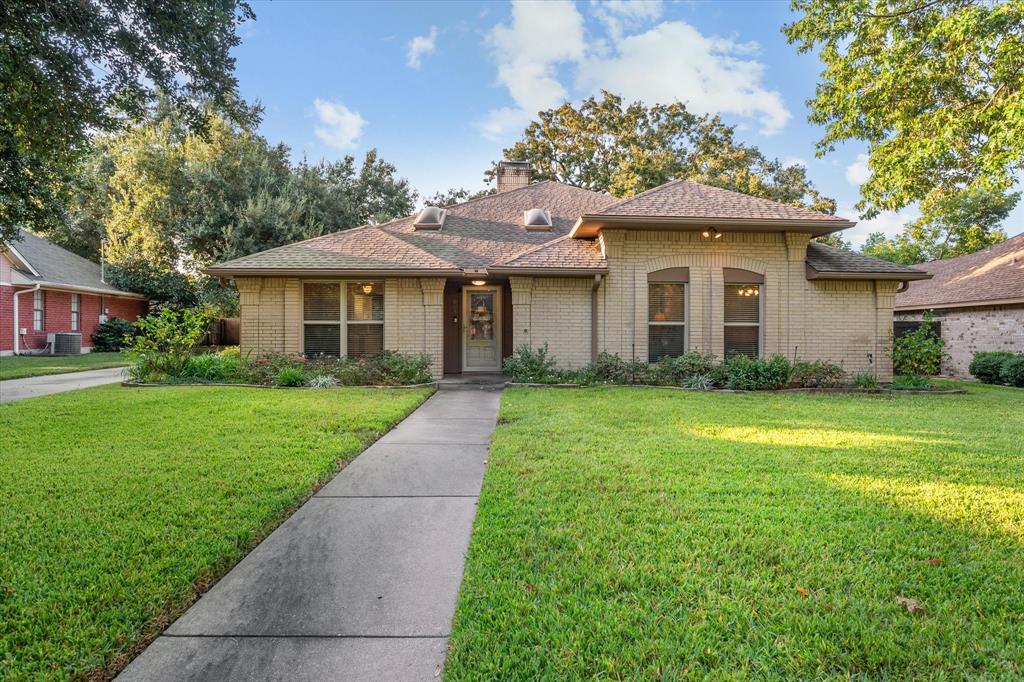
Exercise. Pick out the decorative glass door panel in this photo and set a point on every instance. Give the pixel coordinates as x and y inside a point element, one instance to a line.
<point>482,347</point>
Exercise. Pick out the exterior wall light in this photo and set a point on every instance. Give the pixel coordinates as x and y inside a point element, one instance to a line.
<point>711,233</point>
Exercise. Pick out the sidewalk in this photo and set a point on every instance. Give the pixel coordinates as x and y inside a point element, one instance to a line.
<point>31,387</point>
<point>361,582</point>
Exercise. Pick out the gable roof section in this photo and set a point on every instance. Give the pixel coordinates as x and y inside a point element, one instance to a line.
<point>989,277</point>
<point>476,234</point>
<point>53,266</point>
<point>828,262</point>
<point>683,202</point>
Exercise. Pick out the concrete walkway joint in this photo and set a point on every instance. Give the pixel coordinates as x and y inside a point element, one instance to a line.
<point>361,582</point>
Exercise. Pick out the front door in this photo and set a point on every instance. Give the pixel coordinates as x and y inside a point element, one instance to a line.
<point>481,346</point>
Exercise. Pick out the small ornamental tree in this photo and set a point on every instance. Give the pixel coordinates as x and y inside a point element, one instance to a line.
<point>164,342</point>
<point>919,353</point>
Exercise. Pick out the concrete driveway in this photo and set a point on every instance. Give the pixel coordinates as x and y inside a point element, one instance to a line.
<point>361,582</point>
<point>19,389</point>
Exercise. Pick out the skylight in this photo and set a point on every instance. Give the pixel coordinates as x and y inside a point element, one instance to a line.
<point>537,219</point>
<point>430,218</point>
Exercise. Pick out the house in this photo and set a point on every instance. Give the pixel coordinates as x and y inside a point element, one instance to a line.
<point>46,289</point>
<point>681,267</point>
<point>977,301</point>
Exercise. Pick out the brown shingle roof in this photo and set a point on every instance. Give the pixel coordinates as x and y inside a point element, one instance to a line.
<point>476,234</point>
<point>995,274</point>
<point>563,253</point>
<point>828,260</point>
<point>686,199</point>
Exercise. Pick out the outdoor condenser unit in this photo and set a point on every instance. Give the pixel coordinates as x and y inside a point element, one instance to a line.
<point>64,343</point>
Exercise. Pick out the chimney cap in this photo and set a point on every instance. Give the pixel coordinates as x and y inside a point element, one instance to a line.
<point>514,164</point>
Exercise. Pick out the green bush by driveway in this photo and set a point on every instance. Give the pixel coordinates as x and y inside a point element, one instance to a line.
<point>646,534</point>
<point>118,502</point>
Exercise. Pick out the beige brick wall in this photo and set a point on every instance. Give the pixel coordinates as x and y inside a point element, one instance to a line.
<point>969,330</point>
<point>271,316</point>
<point>844,322</point>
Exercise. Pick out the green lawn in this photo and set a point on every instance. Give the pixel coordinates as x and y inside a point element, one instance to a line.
<point>650,534</point>
<point>21,366</point>
<point>117,503</point>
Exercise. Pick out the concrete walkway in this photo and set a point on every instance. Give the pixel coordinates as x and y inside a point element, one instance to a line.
<point>361,582</point>
<point>19,389</point>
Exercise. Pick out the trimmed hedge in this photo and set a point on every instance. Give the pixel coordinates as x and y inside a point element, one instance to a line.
<point>987,366</point>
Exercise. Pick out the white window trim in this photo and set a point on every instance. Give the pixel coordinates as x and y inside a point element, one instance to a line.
<point>686,317</point>
<point>760,316</point>
<point>38,310</point>
<point>342,314</point>
<point>75,312</point>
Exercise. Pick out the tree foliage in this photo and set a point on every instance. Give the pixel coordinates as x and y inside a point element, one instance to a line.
<point>934,87</point>
<point>456,195</point>
<point>607,145</point>
<point>71,68</point>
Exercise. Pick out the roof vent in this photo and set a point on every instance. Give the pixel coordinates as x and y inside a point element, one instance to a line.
<point>430,218</point>
<point>537,219</point>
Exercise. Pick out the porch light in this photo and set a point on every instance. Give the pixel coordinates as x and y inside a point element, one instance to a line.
<point>711,233</point>
<point>478,282</point>
<point>367,288</point>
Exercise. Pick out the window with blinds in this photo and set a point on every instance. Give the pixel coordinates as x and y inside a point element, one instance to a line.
<point>74,312</point>
<point>38,302</point>
<point>743,320</point>
<point>666,320</point>
<point>321,318</point>
<point>365,319</point>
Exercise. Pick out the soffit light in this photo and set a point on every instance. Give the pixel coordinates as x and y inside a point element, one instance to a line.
<point>478,282</point>
<point>711,233</point>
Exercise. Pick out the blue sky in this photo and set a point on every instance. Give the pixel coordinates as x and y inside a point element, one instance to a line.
<point>440,88</point>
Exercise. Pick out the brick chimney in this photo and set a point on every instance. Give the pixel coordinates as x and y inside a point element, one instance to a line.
<point>513,175</point>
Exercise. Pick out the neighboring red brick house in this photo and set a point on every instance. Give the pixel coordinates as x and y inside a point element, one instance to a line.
<point>977,299</point>
<point>46,289</point>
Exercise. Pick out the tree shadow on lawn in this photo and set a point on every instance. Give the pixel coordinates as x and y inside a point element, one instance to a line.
<point>707,555</point>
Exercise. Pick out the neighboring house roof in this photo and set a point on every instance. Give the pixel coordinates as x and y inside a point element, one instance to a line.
<point>684,202</point>
<point>488,234</point>
<point>42,262</point>
<point>828,262</point>
<point>989,277</point>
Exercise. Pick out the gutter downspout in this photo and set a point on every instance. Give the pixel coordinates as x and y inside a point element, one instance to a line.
<point>593,317</point>
<point>15,299</point>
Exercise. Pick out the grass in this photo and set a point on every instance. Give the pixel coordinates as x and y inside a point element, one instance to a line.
<point>119,504</point>
<point>650,534</point>
<point>21,366</point>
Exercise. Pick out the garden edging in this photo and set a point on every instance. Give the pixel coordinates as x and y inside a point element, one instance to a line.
<point>890,391</point>
<point>132,384</point>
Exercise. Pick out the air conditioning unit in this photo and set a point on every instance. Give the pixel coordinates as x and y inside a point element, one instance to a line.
<point>64,343</point>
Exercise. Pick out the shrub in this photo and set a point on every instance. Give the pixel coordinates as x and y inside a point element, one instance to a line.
<point>1012,373</point>
<point>231,352</point>
<point>817,374</point>
<point>392,368</point>
<point>212,367</point>
<point>164,342</point>
<point>754,374</point>
<point>112,335</point>
<point>911,382</point>
<point>531,366</point>
<point>700,382</point>
<point>289,376</point>
<point>987,366</point>
<point>919,352</point>
<point>865,380</point>
<point>611,369</point>
<point>322,381</point>
<point>677,371</point>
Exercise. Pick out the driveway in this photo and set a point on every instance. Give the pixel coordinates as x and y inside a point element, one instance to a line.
<point>361,582</point>
<point>19,389</point>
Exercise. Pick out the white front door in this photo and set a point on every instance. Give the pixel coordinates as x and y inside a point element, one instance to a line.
<point>481,347</point>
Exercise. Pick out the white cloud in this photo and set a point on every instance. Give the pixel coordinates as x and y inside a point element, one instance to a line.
<point>540,36</point>
<point>340,126</point>
<point>794,161</point>
<point>620,15</point>
<point>669,62</point>
<point>420,46</point>
<point>674,61</point>
<point>858,172</point>
<point>889,223</point>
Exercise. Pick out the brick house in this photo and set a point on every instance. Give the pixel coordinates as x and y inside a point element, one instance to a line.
<point>977,299</point>
<point>681,267</point>
<point>46,289</point>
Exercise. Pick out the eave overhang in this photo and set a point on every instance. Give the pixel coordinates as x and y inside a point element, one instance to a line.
<point>589,226</point>
<point>330,272</point>
<point>549,272</point>
<point>866,275</point>
<point>959,304</point>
